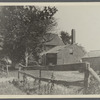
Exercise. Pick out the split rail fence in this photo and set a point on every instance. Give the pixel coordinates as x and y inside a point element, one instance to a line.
<point>85,67</point>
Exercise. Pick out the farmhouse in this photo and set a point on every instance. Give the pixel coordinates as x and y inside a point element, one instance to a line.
<point>93,57</point>
<point>53,40</point>
<point>65,54</point>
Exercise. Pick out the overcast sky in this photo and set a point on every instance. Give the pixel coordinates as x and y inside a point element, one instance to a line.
<point>85,19</point>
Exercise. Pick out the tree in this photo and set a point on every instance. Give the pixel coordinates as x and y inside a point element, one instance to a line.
<point>66,38</point>
<point>24,28</point>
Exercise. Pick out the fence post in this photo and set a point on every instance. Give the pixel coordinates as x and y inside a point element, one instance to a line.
<point>95,75</point>
<point>39,79</point>
<point>7,69</point>
<point>86,77</point>
<point>19,69</point>
<point>18,75</point>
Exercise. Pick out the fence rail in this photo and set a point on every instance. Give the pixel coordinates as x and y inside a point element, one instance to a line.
<point>75,83</point>
<point>85,67</point>
<point>66,67</point>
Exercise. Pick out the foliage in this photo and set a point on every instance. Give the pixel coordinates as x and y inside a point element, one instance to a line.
<point>24,28</point>
<point>94,86</point>
<point>66,38</point>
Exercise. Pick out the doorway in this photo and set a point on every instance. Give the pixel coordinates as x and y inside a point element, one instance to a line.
<point>51,59</point>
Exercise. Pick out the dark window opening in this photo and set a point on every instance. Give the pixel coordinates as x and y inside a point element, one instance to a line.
<point>51,59</point>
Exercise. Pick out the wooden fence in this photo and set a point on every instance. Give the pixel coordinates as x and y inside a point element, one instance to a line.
<point>4,69</point>
<point>85,67</point>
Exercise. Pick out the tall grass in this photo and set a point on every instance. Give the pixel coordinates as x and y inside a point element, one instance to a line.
<point>35,86</point>
<point>94,86</point>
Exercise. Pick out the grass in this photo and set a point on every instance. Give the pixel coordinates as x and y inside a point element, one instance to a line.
<point>94,86</point>
<point>32,86</point>
<point>7,88</point>
<point>59,75</point>
<point>44,88</point>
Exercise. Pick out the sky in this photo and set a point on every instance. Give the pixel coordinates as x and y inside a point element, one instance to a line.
<point>85,19</point>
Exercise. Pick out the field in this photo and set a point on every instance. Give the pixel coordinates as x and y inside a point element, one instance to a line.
<point>60,87</point>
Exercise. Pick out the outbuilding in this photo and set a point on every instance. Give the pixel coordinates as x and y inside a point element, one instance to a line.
<point>93,57</point>
<point>66,54</point>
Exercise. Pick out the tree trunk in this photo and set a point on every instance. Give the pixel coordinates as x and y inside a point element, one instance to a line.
<point>26,58</point>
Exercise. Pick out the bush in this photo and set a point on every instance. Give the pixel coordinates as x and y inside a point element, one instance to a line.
<point>94,86</point>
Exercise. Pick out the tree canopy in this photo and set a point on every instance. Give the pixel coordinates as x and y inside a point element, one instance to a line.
<point>66,38</point>
<point>24,28</point>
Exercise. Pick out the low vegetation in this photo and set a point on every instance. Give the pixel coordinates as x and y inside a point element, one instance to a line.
<point>12,86</point>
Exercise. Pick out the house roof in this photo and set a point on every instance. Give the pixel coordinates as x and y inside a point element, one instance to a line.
<point>54,40</point>
<point>58,48</point>
<point>94,53</point>
<point>54,50</point>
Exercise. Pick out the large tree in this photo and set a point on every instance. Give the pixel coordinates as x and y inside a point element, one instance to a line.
<point>24,28</point>
<point>66,38</point>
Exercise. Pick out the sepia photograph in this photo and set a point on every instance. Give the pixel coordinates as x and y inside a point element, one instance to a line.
<point>50,49</point>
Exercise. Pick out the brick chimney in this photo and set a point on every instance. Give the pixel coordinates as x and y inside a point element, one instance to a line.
<point>73,36</point>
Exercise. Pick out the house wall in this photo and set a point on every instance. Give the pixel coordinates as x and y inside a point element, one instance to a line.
<point>48,47</point>
<point>71,54</point>
<point>94,62</point>
<point>59,58</point>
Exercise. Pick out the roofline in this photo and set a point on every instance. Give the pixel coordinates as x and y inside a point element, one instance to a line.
<point>52,45</point>
<point>93,50</point>
<point>90,57</point>
<point>51,53</point>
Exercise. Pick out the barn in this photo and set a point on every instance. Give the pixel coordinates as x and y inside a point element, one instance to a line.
<point>66,54</point>
<point>93,57</point>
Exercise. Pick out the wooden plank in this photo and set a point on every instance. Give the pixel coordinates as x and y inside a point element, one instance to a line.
<point>39,79</point>
<point>63,82</point>
<point>67,67</point>
<point>95,75</point>
<point>86,78</point>
<point>20,72</point>
<point>7,69</point>
<point>18,75</point>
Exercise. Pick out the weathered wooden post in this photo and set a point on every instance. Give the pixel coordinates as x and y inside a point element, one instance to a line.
<point>52,83</point>
<point>19,69</point>
<point>18,75</point>
<point>39,80</point>
<point>95,75</point>
<point>86,77</point>
<point>7,70</point>
<point>24,80</point>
